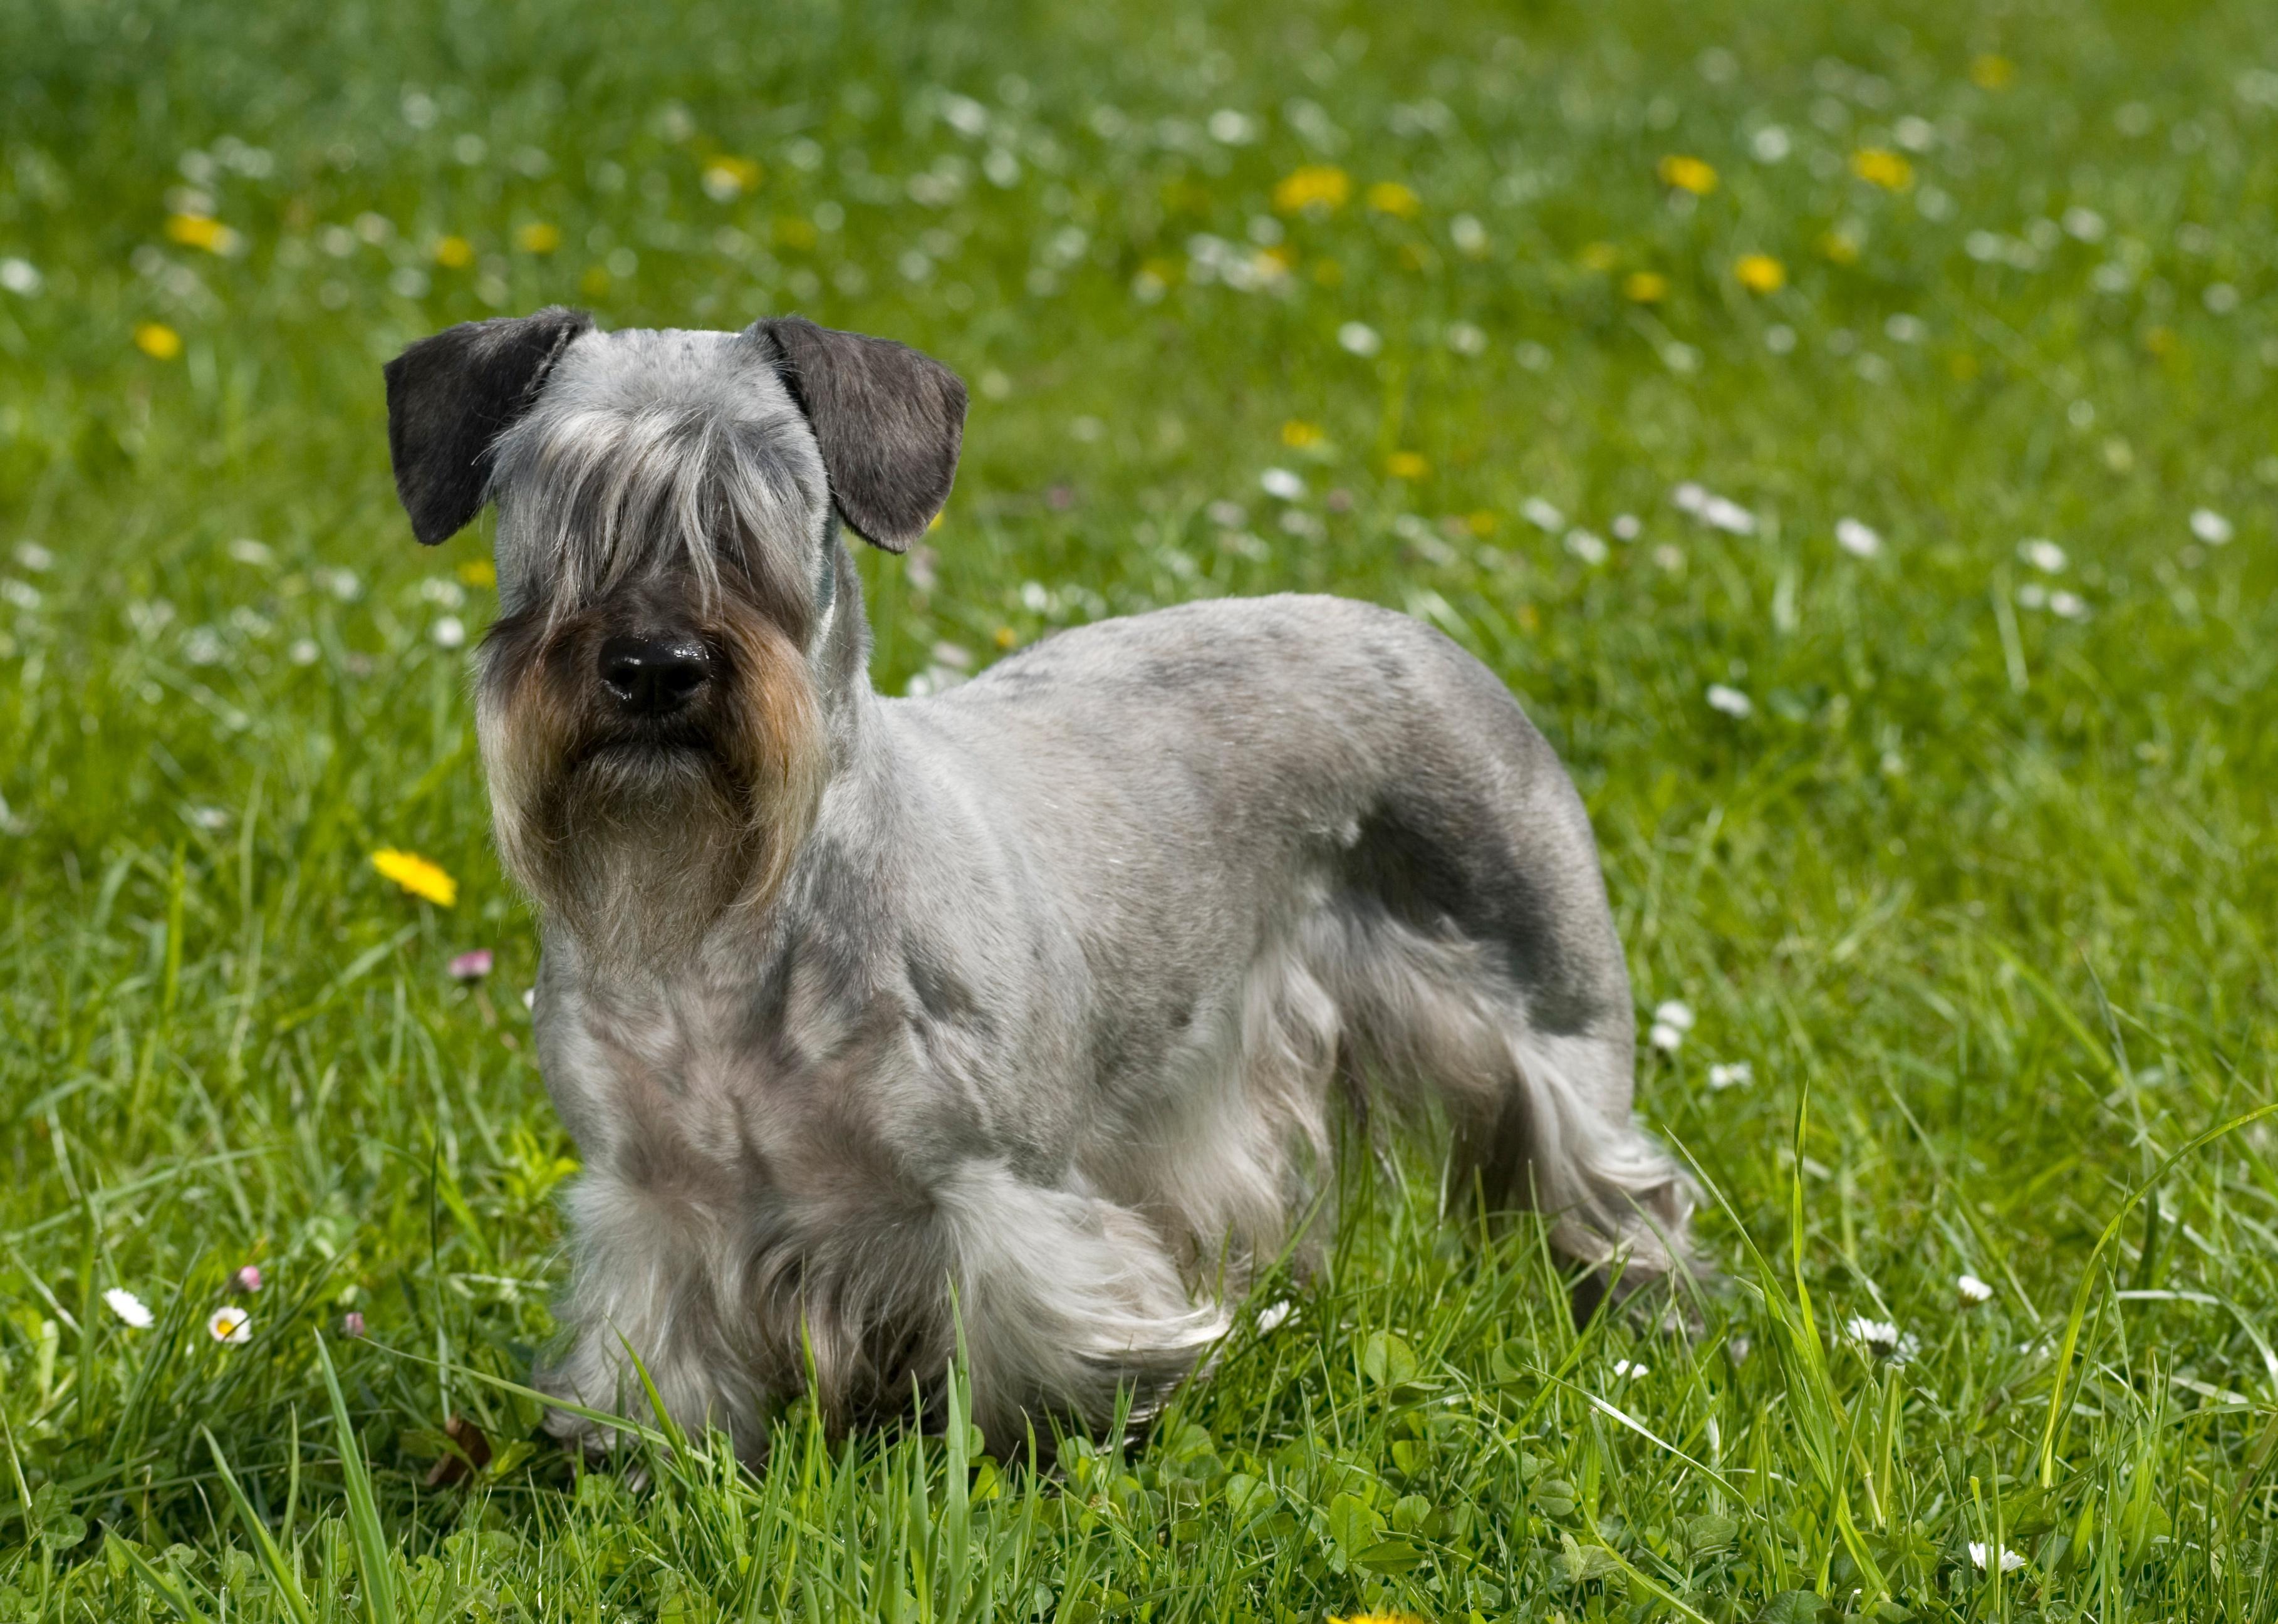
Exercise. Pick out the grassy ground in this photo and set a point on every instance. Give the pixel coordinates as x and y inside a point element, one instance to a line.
<point>1982,872</point>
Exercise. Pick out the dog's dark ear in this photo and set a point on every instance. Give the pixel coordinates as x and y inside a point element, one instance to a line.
<point>889,419</point>
<point>449,398</point>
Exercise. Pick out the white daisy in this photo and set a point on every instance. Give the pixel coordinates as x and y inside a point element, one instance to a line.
<point>2043,553</point>
<point>1856,539</point>
<point>1731,702</point>
<point>128,1308</point>
<point>1665,1037</point>
<point>1722,513</point>
<point>1875,1333</point>
<point>1980,1553</point>
<point>1674,1012</point>
<point>2209,526</point>
<point>1882,1338</point>
<point>1626,526</point>
<point>1358,338</point>
<point>449,632</point>
<point>1972,1291</point>
<point>1629,1370</point>
<point>1281,485</point>
<point>1589,548</point>
<point>229,1325</point>
<point>1740,1074</point>
<point>1541,513</point>
<point>2071,605</point>
<point>1271,1316</point>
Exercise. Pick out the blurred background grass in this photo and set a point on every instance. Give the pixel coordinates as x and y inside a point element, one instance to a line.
<point>1577,331</point>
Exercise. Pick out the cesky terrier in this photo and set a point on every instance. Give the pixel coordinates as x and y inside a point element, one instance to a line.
<point>1017,1012</point>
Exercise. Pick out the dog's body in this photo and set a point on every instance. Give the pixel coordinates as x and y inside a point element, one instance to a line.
<point>1022,1008</point>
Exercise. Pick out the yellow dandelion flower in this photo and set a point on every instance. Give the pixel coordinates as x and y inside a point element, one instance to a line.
<point>1839,246</point>
<point>1313,185</point>
<point>200,231</point>
<point>1006,637</point>
<point>1883,167</point>
<point>726,178</point>
<point>454,253</point>
<point>1390,197</point>
<point>2161,342</point>
<point>1328,273</point>
<point>793,231</point>
<point>1599,255</point>
<point>1298,434</point>
<point>1761,273</point>
<point>1645,287</point>
<point>416,875</point>
<point>479,572</point>
<point>1992,73</point>
<point>1482,524</point>
<point>1406,465</point>
<point>538,237</point>
<point>1688,174</point>
<point>158,340</point>
<point>595,282</point>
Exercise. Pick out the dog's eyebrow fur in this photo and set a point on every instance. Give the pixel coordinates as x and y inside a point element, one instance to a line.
<point>656,450</point>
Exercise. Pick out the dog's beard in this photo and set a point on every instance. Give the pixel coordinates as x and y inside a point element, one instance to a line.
<point>640,846</point>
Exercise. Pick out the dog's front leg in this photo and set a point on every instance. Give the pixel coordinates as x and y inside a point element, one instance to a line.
<point>1065,1300</point>
<point>648,1283</point>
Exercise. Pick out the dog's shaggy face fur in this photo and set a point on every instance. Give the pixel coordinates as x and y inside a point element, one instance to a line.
<point>1018,1014</point>
<point>666,487</point>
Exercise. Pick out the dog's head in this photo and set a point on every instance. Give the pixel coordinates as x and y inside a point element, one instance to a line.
<point>668,571</point>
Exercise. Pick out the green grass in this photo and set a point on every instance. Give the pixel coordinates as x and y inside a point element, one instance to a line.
<point>1987,886</point>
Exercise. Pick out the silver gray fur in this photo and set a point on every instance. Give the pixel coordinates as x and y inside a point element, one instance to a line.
<point>1038,1017</point>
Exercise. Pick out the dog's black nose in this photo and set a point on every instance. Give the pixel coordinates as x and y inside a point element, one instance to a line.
<point>653,676</point>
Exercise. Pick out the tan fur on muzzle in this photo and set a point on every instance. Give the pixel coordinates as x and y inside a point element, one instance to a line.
<point>641,845</point>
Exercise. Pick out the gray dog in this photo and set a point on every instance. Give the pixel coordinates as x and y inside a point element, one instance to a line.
<point>1020,1008</point>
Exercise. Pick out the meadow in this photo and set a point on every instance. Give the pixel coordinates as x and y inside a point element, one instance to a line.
<point>1848,430</point>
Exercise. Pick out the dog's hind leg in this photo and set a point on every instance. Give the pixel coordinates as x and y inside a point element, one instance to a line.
<point>1541,1121</point>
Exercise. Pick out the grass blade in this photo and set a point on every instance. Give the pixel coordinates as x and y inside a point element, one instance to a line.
<point>282,1573</point>
<point>169,1589</point>
<point>2070,1345</point>
<point>375,1561</point>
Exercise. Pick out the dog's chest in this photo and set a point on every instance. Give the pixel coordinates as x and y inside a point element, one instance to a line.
<point>658,1088</point>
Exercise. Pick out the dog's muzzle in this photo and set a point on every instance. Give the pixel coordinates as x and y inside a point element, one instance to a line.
<point>654,677</point>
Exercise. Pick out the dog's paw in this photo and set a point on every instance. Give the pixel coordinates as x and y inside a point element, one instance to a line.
<point>580,1434</point>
